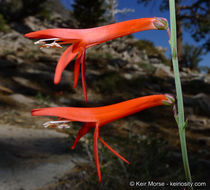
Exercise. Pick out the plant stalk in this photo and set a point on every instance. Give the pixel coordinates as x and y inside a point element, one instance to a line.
<point>181,121</point>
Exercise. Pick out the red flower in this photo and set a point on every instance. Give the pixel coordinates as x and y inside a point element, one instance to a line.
<point>81,39</point>
<point>99,116</point>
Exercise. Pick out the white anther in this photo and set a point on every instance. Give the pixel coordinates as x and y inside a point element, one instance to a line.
<point>52,45</point>
<point>39,42</point>
<point>63,126</point>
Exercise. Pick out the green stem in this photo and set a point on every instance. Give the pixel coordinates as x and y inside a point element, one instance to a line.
<point>181,120</point>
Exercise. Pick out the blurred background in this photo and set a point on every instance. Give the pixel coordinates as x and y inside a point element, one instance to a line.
<point>137,65</point>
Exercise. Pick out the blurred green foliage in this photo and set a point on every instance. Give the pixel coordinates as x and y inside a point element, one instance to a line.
<point>14,11</point>
<point>109,82</point>
<point>3,24</point>
<point>148,68</point>
<point>192,56</point>
<point>89,13</point>
<point>151,50</point>
<point>193,16</point>
<point>42,98</point>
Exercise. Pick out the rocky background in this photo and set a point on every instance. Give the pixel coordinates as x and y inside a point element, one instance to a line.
<point>36,158</point>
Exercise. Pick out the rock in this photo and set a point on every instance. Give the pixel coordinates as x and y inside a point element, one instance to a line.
<point>137,67</point>
<point>128,76</point>
<point>161,49</point>
<point>134,67</point>
<point>19,43</point>
<point>204,140</point>
<point>143,55</point>
<point>200,103</point>
<point>118,63</point>
<point>7,65</point>
<point>14,58</point>
<point>5,90</point>
<point>34,23</point>
<point>122,48</point>
<point>47,59</point>
<point>155,61</point>
<point>11,58</point>
<point>198,123</point>
<point>162,71</point>
<point>195,86</point>
<point>207,79</point>
<point>27,83</point>
<point>64,100</point>
<point>21,99</point>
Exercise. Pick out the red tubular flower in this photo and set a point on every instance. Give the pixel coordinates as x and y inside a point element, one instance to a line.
<point>98,116</point>
<point>81,39</point>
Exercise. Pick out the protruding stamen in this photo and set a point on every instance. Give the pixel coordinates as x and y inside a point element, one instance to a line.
<point>50,45</point>
<point>59,124</point>
<point>45,40</point>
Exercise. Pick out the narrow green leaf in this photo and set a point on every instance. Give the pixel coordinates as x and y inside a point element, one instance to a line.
<point>185,125</point>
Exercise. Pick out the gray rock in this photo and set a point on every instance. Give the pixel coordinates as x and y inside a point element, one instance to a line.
<point>21,99</point>
<point>34,23</point>
<point>207,79</point>
<point>143,55</point>
<point>19,42</point>
<point>128,76</point>
<point>200,103</point>
<point>198,123</point>
<point>161,49</point>
<point>162,71</point>
<point>204,140</point>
